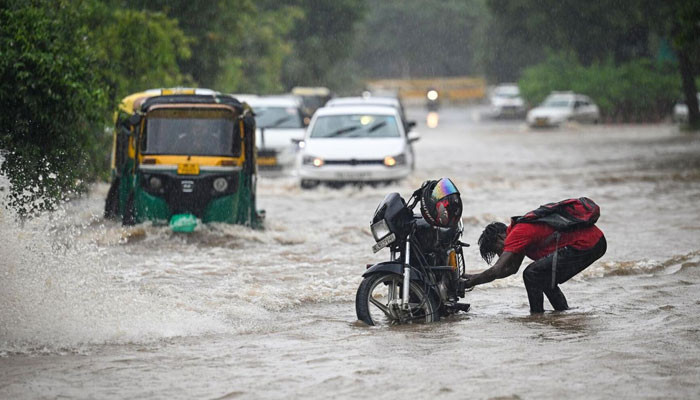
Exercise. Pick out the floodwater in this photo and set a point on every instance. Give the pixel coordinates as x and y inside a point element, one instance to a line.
<point>89,309</point>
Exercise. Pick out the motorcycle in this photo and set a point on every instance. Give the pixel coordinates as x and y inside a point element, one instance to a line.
<point>432,102</point>
<point>422,281</point>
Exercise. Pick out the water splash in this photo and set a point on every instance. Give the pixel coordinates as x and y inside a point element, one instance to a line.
<point>60,293</point>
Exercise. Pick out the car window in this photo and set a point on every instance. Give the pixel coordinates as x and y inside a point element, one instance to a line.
<point>277,117</point>
<point>557,102</point>
<point>506,91</point>
<point>355,126</point>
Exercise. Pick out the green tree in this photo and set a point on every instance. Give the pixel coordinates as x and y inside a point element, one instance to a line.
<point>413,39</point>
<point>679,20</point>
<point>321,39</point>
<point>52,101</point>
<point>214,28</point>
<point>256,62</point>
<point>137,50</point>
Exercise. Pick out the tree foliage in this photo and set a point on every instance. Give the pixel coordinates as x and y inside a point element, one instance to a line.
<point>414,39</point>
<point>213,28</point>
<point>52,100</point>
<point>137,50</point>
<point>322,38</point>
<point>639,90</point>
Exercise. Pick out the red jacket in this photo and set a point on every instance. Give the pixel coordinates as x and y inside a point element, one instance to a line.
<point>536,240</point>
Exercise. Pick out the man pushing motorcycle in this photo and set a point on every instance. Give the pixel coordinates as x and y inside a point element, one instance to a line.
<point>562,240</point>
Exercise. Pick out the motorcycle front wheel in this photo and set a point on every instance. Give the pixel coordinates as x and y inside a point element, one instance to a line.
<point>378,301</point>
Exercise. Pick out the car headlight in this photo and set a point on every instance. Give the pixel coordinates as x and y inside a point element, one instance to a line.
<point>395,160</point>
<point>380,230</point>
<point>315,161</point>
<point>220,184</point>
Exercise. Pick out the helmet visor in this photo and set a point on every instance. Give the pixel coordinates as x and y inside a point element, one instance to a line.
<point>443,188</point>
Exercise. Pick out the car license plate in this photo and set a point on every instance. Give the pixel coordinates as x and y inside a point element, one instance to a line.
<point>541,121</point>
<point>267,161</point>
<point>188,169</point>
<point>352,175</point>
<point>383,243</point>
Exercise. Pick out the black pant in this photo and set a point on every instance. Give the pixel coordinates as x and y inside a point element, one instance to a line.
<point>570,261</point>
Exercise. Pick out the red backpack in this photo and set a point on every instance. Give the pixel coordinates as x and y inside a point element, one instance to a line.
<point>566,215</point>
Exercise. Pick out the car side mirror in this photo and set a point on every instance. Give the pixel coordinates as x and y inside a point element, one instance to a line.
<point>413,137</point>
<point>298,143</point>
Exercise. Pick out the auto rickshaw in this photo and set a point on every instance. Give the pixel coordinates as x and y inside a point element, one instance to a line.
<point>183,155</point>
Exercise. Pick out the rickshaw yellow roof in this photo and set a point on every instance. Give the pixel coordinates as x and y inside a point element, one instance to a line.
<point>127,104</point>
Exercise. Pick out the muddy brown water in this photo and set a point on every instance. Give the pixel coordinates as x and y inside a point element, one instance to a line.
<point>89,309</point>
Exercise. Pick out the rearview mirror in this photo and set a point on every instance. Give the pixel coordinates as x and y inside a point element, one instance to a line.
<point>413,137</point>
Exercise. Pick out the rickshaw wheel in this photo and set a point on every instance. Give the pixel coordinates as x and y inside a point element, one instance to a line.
<point>128,217</point>
<point>112,201</point>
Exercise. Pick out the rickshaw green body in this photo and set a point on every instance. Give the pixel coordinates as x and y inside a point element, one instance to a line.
<point>187,185</point>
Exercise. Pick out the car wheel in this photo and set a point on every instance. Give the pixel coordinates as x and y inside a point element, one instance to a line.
<point>308,184</point>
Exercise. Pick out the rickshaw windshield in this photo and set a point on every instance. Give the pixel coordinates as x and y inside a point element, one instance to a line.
<point>191,132</point>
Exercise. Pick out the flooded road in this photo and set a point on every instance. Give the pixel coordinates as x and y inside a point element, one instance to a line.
<point>89,309</point>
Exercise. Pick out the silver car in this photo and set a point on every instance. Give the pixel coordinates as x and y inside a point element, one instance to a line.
<point>560,107</point>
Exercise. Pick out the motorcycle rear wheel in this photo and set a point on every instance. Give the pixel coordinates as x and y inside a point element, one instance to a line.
<point>373,302</point>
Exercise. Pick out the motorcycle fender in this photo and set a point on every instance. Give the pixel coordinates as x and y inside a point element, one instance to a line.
<point>392,267</point>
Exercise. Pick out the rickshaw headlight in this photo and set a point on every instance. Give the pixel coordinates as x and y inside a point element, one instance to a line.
<point>220,184</point>
<point>155,183</point>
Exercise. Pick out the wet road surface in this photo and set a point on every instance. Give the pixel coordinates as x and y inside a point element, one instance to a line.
<point>89,309</point>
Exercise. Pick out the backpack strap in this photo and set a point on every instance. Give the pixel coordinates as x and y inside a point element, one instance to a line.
<point>554,260</point>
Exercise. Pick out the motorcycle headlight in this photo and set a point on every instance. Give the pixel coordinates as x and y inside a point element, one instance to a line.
<point>380,230</point>
<point>220,184</point>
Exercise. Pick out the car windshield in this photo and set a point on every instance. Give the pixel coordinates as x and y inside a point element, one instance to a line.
<point>557,102</point>
<point>507,92</point>
<point>356,126</point>
<point>277,117</point>
<point>191,132</point>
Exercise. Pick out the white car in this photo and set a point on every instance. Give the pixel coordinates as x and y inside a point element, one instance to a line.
<point>680,111</point>
<point>506,101</point>
<point>280,126</point>
<point>356,144</point>
<point>560,107</point>
<point>373,101</point>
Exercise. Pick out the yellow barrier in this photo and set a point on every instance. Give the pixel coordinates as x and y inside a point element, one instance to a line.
<point>462,88</point>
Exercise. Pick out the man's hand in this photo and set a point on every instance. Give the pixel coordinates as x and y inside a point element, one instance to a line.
<point>506,265</point>
<point>469,280</point>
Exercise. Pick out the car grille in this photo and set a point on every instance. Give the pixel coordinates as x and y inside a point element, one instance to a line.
<point>354,162</point>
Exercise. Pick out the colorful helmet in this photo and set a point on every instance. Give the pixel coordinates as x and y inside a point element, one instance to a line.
<point>440,203</point>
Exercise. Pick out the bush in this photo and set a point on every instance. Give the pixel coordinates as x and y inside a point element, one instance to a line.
<point>636,91</point>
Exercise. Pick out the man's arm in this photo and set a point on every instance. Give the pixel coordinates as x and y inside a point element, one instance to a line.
<point>507,264</point>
